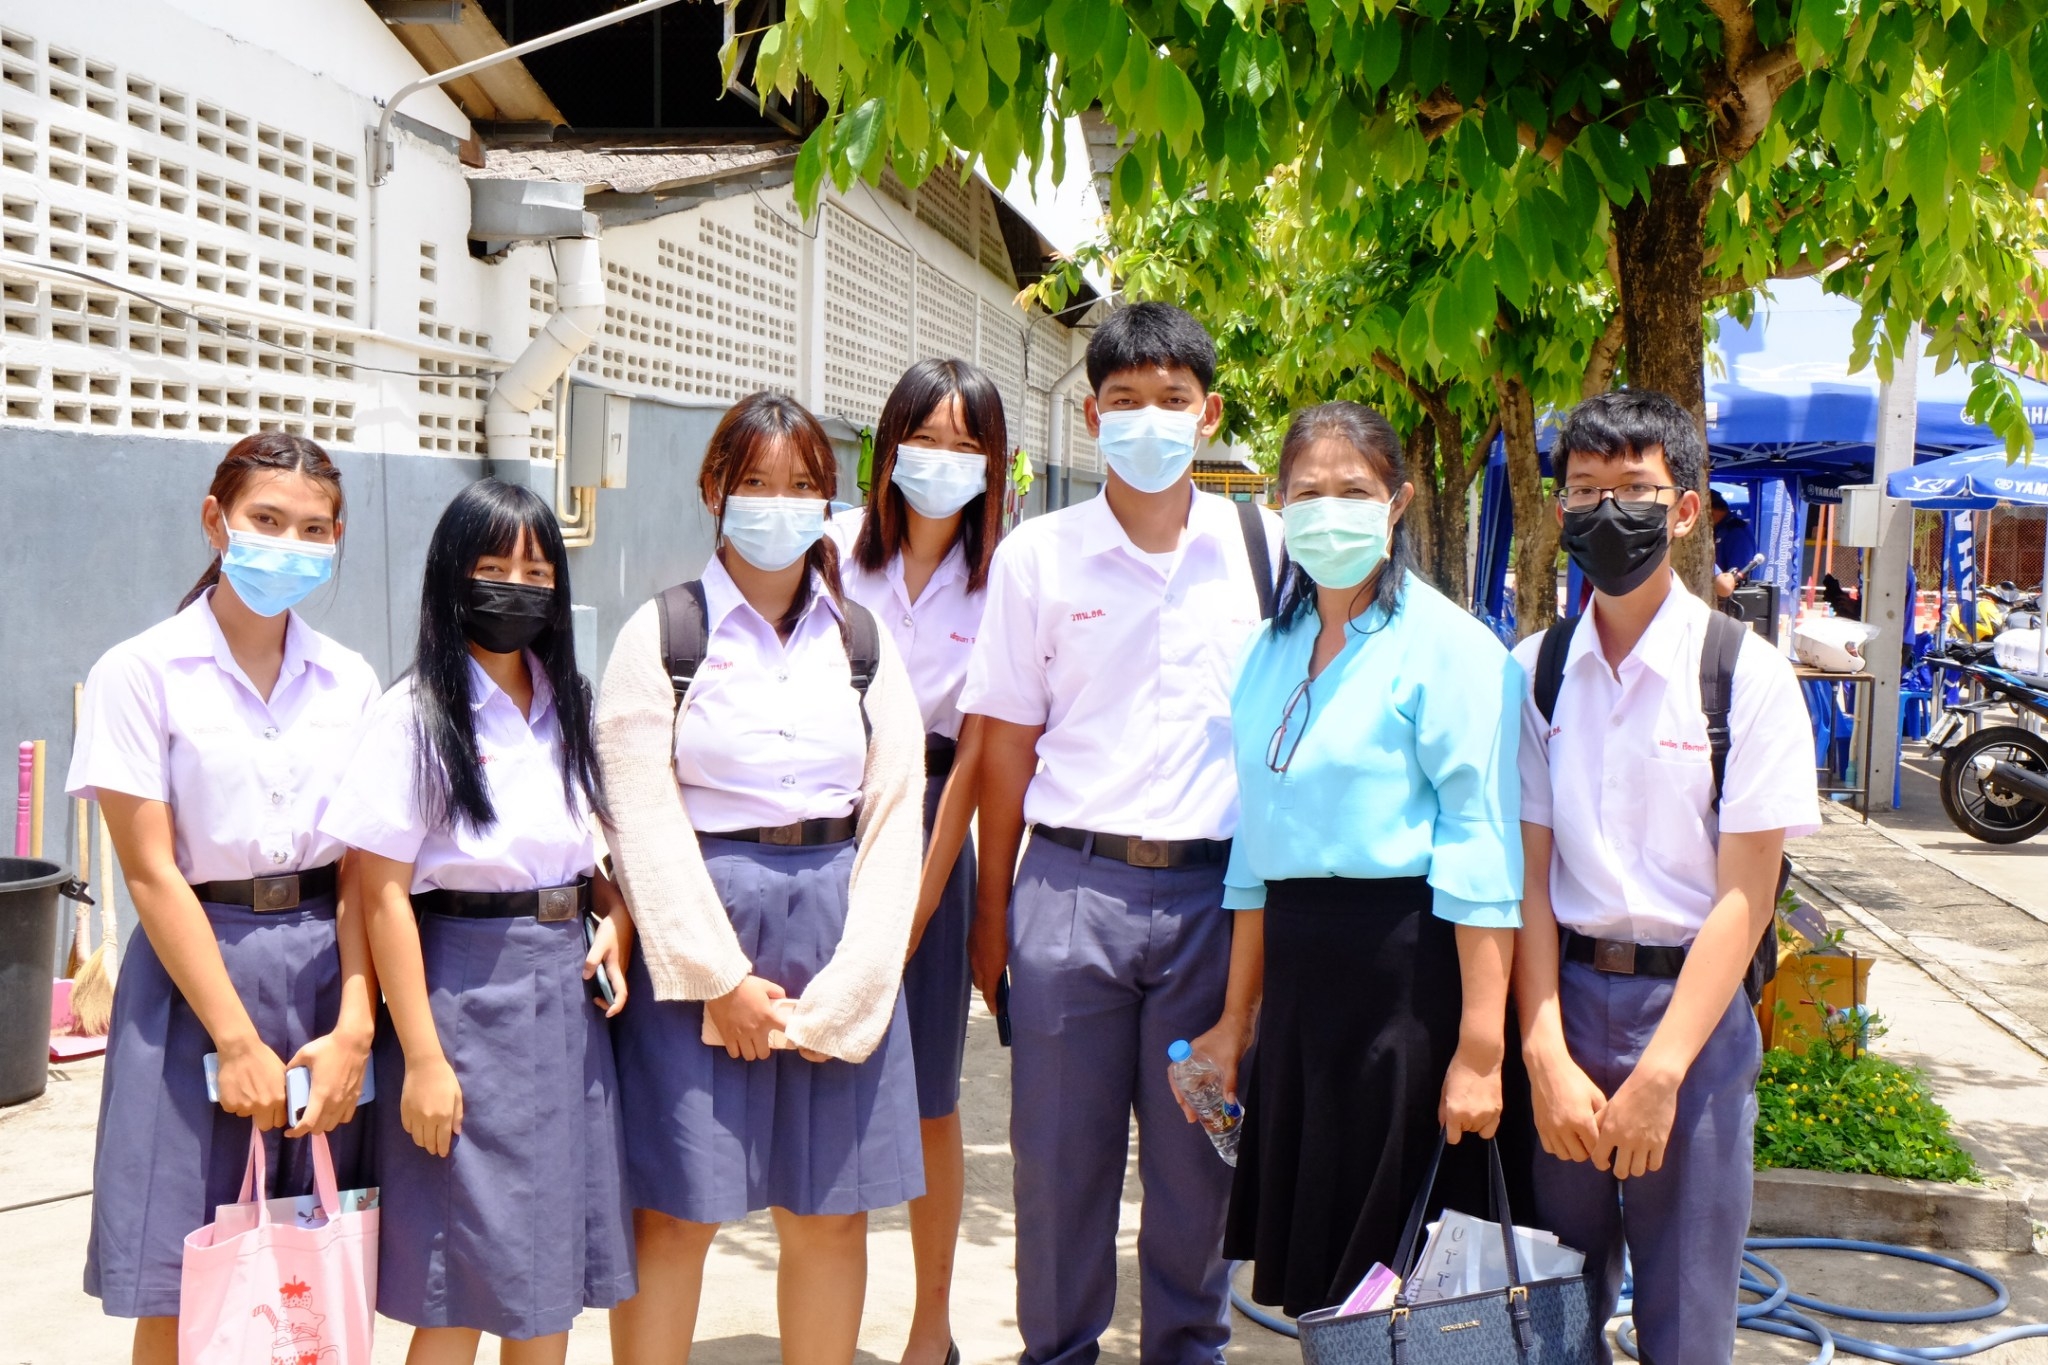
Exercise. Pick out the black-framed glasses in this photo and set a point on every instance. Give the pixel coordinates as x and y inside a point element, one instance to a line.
<point>1584,498</point>
<point>1275,760</point>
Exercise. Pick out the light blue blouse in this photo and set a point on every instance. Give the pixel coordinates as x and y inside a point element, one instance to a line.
<point>1405,767</point>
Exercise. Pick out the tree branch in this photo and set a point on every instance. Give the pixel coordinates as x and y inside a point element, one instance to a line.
<point>1805,267</point>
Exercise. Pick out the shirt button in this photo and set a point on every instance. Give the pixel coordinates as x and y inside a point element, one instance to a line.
<point>782,675</point>
<point>908,620</point>
<point>277,798</point>
<point>789,781</point>
<point>277,857</point>
<point>787,734</point>
<point>1171,598</point>
<point>1616,720</point>
<point>270,733</point>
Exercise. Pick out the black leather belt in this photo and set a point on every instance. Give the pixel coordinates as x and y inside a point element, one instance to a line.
<point>1622,958</point>
<point>549,904</point>
<point>802,834</point>
<point>268,895</point>
<point>1139,852</point>
<point>938,755</point>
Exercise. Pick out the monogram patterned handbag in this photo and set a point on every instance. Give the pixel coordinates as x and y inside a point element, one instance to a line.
<point>1549,1322</point>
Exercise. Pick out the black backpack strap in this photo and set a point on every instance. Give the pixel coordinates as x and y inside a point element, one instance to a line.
<point>1550,658</point>
<point>863,645</point>
<point>1717,689</point>
<point>1252,518</point>
<point>684,634</point>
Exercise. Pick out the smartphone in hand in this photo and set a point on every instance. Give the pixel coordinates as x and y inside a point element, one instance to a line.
<point>1003,1009</point>
<point>602,992</point>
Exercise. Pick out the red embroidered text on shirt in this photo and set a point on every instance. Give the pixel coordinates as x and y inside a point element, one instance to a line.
<point>1682,745</point>
<point>1089,615</point>
<point>958,638</point>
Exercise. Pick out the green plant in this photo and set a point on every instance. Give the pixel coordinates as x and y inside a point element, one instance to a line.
<point>1830,1110</point>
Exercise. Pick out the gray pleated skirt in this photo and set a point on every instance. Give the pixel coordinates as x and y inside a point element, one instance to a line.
<point>936,984</point>
<point>524,1223</point>
<point>711,1139</point>
<point>165,1155</point>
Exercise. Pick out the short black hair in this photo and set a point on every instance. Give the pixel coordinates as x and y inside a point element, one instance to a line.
<point>1623,422</point>
<point>1151,334</point>
<point>1716,501</point>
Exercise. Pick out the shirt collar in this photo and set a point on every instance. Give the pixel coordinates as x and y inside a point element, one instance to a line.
<point>722,597</point>
<point>198,636</point>
<point>1100,530</point>
<point>953,567</point>
<point>483,689</point>
<point>1661,648</point>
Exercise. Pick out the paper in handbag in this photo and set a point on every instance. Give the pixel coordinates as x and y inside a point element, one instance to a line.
<point>258,1288</point>
<point>1541,1322</point>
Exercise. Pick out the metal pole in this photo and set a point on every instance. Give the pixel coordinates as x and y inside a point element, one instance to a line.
<point>1885,604</point>
<point>380,146</point>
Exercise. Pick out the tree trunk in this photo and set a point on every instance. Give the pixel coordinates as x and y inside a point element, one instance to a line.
<point>1535,514</point>
<point>1660,253</point>
<point>1419,448</point>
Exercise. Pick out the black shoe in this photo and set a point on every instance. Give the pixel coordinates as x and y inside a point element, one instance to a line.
<point>953,1354</point>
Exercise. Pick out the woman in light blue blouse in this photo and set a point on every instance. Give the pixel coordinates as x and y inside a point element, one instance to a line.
<point>1376,876</point>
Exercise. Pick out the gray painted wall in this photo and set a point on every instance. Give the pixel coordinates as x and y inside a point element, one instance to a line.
<point>101,539</point>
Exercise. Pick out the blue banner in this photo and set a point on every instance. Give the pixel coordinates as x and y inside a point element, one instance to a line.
<point>1962,568</point>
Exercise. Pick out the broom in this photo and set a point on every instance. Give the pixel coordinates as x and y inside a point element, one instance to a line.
<point>81,927</point>
<point>92,990</point>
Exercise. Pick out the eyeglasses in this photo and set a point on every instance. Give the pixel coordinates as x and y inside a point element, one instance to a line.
<point>1274,758</point>
<point>1580,498</point>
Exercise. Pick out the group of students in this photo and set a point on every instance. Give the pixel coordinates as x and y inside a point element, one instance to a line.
<point>632,965</point>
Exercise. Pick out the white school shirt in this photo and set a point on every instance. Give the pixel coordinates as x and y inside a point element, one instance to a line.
<point>540,837</point>
<point>771,731</point>
<point>935,634</point>
<point>1621,774</point>
<point>170,716</point>
<point>1127,660</point>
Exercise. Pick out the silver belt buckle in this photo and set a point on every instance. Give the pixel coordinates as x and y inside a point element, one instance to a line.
<point>1145,853</point>
<point>783,836</point>
<point>557,903</point>
<point>270,894</point>
<point>1612,956</point>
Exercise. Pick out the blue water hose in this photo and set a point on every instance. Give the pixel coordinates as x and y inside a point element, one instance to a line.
<point>1777,1309</point>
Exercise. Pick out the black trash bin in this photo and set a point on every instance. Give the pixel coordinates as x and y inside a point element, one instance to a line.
<point>28,954</point>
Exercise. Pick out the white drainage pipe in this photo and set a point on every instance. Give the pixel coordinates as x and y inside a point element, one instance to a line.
<point>577,320</point>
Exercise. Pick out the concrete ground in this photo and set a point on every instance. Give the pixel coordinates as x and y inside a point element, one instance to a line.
<point>1994,1083</point>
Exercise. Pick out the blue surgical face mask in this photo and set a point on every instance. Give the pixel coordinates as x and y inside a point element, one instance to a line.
<point>938,483</point>
<point>773,533</point>
<point>1149,448</point>
<point>272,574</point>
<point>1337,541</point>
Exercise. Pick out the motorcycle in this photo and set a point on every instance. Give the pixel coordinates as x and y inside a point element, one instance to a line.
<point>1994,778</point>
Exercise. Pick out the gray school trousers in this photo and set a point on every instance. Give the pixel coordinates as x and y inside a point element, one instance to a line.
<point>1683,1226</point>
<point>1109,964</point>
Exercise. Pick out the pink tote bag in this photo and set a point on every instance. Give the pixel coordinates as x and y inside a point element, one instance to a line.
<point>263,1287</point>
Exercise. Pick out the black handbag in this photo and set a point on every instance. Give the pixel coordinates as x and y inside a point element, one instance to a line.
<point>1549,1322</point>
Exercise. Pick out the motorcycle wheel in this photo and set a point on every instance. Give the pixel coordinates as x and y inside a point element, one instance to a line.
<point>1982,808</point>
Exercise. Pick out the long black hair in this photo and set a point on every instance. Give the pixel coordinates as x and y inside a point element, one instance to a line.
<point>488,518</point>
<point>1372,436</point>
<point>917,395</point>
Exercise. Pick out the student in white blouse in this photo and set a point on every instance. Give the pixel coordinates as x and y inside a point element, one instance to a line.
<point>470,804</point>
<point>764,824</point>
<point>917,556</point>
<point>213,742</point>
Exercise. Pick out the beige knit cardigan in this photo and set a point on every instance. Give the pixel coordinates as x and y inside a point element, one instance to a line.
<point>685,936</point>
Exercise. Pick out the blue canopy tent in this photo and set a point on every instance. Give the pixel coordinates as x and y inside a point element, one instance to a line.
<point>1786,419</point>
<point>1973,481</point>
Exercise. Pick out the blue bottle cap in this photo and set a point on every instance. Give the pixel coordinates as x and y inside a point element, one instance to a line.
<point>1179,1051</point>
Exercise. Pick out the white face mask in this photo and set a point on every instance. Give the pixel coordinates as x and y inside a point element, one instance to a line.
<point>1150,448</point>
<point>773,533</point>
<point>937,483</point>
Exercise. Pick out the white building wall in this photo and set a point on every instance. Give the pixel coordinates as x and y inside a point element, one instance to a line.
<point>210,155</point>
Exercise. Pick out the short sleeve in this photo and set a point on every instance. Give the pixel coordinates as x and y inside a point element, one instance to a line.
<point>123,732</point>
<point>1466,725</point>
<point>1533,758</point>
<point>1006,676</point>
<point>375,808</point>
<point>1242,888</point>
<point>1770,782</point>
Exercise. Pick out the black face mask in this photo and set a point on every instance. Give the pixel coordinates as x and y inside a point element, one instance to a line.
<point>1617,546</point>
<point>505,618</point>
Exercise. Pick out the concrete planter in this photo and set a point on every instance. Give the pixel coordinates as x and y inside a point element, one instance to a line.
<point>1994,1216</point>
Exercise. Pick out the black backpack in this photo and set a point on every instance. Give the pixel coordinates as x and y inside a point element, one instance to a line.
<point>1253,524</point>
<point>685,634</point>
<point>1717,698</point>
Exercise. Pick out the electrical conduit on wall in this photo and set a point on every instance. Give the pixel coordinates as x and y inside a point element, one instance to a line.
<point>570,330</point>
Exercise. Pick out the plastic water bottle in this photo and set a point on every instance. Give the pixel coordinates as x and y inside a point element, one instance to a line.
<point>1201,1084</point>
